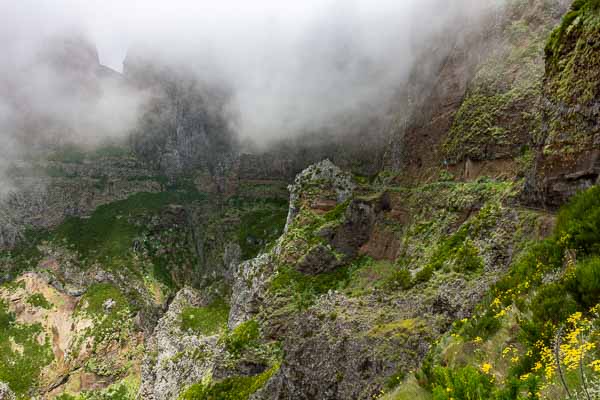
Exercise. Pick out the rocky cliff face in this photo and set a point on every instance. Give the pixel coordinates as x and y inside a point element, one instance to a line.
<point>185,125</point>
<point>567,147</point>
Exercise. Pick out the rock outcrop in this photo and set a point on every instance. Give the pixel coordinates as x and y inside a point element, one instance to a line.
<point>174,359</point>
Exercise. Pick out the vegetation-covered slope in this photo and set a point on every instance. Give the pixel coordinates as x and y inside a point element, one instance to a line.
<point>454,283</point>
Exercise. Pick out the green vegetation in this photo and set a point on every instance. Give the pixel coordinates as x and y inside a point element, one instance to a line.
<point>585,286</point>
<point>26,255</point>
<point>111,312</point>
<point>72,154</point>
<point>69,154</point>
<point>465,384</point>
<point>507,83</point>
<point>111,229</point>
<point>242,337</point>
<point>401,278</point>
<point>366,274</point>
<point>572,74</point>
<point>580,9</point>
<point>125,390</point>
<point>337,213</point>
<point>424,274</point>
<point>234,388</point>
<point>305,288</point>
<point>205,320</point>
<point>22,357</point>
<point>457,251</point>
<point>93,301</point>
<point>260,226</point>
<point>578,225</point>
<point>551,291</point>
<point>38,300</point>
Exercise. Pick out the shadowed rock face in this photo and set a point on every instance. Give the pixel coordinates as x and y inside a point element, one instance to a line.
<point>184,124</point>
<point>568,149</point>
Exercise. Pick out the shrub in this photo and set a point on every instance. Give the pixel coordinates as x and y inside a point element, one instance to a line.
<point>448,248</point>
<point>424,275</point>
<point>483,326</point>
<point>303,288</point>
<point>586,285</point>
<point>578,224</point>
<point>399,279</point>
<point>260,226</point>
<point>464,383</point>
<point>467,258</point>
<point>538,258</point>
<point>21,369</point>
<point>552,303</point>
<point>92,302</point>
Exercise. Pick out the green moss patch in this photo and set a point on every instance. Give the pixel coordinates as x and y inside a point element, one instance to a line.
<point>242,337</point>
<point>96,297</point>
<point>234,388</point>
<point>205,320</point>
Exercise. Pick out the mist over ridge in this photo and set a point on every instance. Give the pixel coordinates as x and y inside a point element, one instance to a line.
<point>319,67</point>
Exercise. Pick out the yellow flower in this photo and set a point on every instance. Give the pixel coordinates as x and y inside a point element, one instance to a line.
<point>486,368</point>
<point>478,339</point>
<point>595,365</point>
<point>573,319</point>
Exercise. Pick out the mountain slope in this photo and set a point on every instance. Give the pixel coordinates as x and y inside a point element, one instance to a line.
<point>176,267</point>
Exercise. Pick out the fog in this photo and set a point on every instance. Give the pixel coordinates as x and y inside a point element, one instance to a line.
<point>292,67</point>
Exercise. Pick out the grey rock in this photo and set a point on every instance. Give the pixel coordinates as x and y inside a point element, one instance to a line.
<point>248,288</point>
<point>5,392</point>
<point>176,359</point>
<point>322,173</point>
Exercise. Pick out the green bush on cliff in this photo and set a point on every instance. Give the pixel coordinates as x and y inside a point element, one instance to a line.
<point>108,232</point>
<point>303,288</point>
<point>457,251</point>
<point>578,224</point>
<point>401,278</point>
<point>259,226</point>
<point>586,283</point>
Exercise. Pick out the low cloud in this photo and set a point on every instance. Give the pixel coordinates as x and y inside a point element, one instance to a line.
<point>291,67</point>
